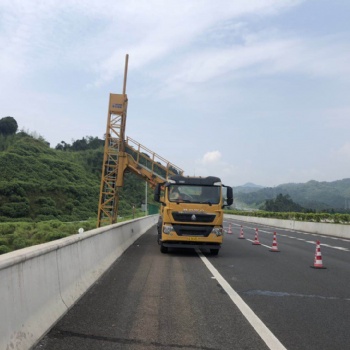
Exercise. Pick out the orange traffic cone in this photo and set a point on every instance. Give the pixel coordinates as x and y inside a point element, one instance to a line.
<point>241,235</point>
<point>256,239</point>
<point>318,257</point>
<point>274,247</point>
<point>229,229</point>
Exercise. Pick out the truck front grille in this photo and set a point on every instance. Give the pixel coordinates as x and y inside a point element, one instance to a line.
<point>193,217</point>
<point>193,230</point>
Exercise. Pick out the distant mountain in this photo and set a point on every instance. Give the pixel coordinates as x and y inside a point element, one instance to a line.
<point>247,188</point>
<point>250,184</point>
<point>313,194</point>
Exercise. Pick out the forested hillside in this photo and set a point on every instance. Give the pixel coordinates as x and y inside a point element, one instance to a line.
<point>39,183</point>
<point>314,195</point>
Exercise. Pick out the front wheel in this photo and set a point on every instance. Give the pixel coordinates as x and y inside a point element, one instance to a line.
<point>214,251</point>
<point>163,249</point>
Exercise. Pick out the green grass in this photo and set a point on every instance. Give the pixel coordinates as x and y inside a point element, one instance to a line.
<point>18,235</point>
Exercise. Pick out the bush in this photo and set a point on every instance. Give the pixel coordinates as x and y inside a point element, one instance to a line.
<point>20,242</point>
<point>344,218</point>
<point>15,210</point>
<point>41,217</point>
<point>3,241</point>
<point>56,224</point>
<point>56,235</point>
<point>311,217</point>
<point>6,229</point>
<point>4,249</point>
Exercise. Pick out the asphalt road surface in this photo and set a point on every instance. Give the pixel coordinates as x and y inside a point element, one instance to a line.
<point>247,297</point>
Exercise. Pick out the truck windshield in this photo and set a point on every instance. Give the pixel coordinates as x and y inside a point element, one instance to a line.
<point>194,194</point>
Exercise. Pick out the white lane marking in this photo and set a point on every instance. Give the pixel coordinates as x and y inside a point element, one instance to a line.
<point>339,248</point>
<point>303,240</point>
<point>251,240</point>
<point>265,334</point>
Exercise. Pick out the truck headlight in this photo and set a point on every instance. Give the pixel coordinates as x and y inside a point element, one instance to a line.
<point>218,231</point>
<point>167,229</point>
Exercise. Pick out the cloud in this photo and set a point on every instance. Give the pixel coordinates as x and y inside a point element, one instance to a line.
<point>248,69</point>
<point>211,158</point>
<point>173,28</point>
<point>212,164</point>
<point>209,41</point>
<point>265,54</point>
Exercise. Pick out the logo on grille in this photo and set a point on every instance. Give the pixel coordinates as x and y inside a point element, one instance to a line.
<point>193,217</point>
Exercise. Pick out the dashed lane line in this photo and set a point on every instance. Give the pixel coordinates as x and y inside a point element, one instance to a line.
<point>301,239</point>
<point>251,240</point>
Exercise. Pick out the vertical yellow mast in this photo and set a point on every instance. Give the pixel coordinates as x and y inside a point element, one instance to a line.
<point>121,153</point>
<point>123,121</point>
<point>114,157</point>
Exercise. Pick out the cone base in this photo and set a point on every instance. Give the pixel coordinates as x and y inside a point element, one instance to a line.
<point>241,238</point>
<point>319,267</point>
<point>274,250</point>
<point>256,243</point>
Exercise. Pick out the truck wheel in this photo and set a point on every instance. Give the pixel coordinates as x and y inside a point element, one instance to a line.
<point>163,249</point>
<point>214,251</point>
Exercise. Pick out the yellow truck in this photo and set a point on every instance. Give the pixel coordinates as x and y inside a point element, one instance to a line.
<point>191,214</point>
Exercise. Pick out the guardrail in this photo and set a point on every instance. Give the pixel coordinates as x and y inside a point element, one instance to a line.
<point>39,284</point>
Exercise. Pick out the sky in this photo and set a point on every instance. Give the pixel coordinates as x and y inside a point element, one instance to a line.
<point>246,90</point>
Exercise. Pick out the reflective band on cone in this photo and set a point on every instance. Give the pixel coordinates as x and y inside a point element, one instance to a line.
<point>318,257</point>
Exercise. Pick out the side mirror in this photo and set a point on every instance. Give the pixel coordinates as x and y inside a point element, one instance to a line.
<point>229,196</point>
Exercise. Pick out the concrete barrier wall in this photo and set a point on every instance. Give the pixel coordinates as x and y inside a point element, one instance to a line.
<point>39,284</point>
<point>337,230</point>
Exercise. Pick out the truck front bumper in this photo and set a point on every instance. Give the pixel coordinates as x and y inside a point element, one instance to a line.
<point>191,245</point>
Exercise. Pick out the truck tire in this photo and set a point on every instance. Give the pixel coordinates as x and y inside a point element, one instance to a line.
<point>163,249</point>
<point>214,251</point>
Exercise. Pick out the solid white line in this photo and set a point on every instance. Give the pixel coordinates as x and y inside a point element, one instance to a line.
<point>266,335</point>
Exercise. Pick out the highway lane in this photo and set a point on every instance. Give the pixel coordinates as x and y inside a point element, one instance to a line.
<point>149,300</point>
<point>305,308</point>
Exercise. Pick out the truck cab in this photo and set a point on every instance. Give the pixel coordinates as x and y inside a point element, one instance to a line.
<point>191,214</point>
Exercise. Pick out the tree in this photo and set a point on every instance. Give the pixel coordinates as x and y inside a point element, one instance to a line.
<point>80,145</point>
<point>63,146</point>
<point>88,142</point>
<point>8,126</point>
<point>282,204</point>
